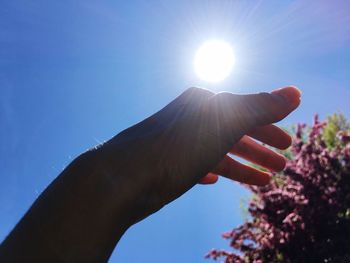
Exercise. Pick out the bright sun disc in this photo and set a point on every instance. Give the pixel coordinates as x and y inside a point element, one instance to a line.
<point>214,61</point>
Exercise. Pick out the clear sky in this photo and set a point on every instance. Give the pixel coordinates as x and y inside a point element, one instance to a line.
<point>75,73</point>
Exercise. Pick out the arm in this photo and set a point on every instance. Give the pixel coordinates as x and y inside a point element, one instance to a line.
<point>73,220</point>
<point>84,212</point>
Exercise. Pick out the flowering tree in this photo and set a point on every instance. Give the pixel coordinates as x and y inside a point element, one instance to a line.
<point>303,215</point>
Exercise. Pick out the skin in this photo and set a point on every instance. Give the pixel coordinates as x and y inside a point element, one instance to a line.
<point>84,212</point>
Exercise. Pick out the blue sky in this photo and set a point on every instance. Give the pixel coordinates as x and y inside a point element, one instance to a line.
<point>75,73</point>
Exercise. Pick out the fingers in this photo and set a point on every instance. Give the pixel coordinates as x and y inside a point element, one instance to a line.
<point>272,135</point>
<point>240,113</point>
<point>251,111</point>
<point>256,153</point>
<point>234,170</point>
<point>250,150</point>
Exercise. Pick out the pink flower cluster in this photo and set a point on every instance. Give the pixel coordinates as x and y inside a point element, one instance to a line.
<point>303,215</point>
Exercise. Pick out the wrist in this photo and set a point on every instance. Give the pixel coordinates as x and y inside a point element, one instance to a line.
<point>132,179</point>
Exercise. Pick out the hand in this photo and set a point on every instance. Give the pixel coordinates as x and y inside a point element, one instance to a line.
<point>187,142</point>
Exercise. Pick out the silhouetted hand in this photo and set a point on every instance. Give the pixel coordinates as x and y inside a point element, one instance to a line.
<point>187,142</point>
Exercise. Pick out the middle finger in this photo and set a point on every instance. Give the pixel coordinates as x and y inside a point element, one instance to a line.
<point>256,153</point>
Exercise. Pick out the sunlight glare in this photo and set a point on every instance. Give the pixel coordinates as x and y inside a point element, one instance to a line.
<point>214,60</point>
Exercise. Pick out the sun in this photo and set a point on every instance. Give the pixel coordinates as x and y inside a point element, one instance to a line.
<point>214,60</point>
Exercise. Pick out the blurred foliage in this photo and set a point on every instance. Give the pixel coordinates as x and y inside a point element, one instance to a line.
<point>303,215</point>
<point>335,123</point>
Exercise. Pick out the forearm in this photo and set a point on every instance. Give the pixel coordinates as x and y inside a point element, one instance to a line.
<point>79,218</point>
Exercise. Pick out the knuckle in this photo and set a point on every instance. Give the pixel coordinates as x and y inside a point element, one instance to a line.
<point>198,92</point>
<point>222,96</point>
<point>226,100</point>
